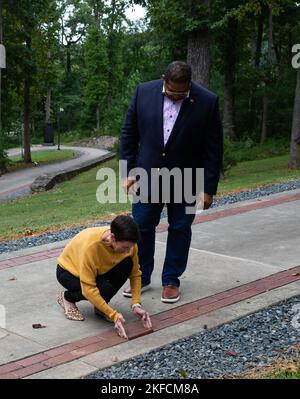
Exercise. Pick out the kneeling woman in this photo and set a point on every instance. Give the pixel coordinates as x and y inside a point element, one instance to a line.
<point>95,264</point>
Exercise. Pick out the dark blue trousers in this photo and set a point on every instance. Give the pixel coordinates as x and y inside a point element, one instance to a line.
<point>147,217</point>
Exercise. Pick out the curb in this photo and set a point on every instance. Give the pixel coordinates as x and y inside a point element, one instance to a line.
<point>49,180</point>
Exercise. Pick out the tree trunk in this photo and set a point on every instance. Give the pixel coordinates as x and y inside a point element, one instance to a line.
<point>26,132</point>
<point>256,62</point>
<point>198,52</point>
<point>294,161</point>
<point>98,117</point>
<point>48,106</point>
<point>48,98</point>
<point>260,32</point>
<point>229,79</point>
<point>264,119</point>
<point>198,56</point>
<point>264,129</point>
<point>68,68</point>
<point>111,43</point>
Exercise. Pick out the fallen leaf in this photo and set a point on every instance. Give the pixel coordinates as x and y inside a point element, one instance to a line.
<point>38,325</point>
<point>115,359</point>
<point>27,232</point>
<point>278,350</point>
<point>12,279</point>
<point>231,353</point>
<point>296,274</point>
<point>183,373</point>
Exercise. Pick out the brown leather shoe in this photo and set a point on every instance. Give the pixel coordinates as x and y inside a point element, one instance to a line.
<point>170,294</point>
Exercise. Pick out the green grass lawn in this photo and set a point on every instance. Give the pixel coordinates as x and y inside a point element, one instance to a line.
<point>251,174</point>
<point>41,157</point>
<point>74,202</point>
<point>286,375</point>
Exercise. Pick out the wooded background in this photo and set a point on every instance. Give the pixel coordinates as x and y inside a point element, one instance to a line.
<point>75,63</point>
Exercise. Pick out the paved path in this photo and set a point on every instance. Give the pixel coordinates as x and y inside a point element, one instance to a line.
<point>243,258</point>
<point>17,184</point>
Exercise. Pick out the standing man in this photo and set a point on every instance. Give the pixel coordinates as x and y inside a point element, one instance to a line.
<point>171,123</point>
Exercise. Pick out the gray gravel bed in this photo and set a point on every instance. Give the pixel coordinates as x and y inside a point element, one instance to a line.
<point>230,349</point>
<point>14,245</point>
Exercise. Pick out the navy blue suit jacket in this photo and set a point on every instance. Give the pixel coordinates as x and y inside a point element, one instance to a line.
<point>196,140</point>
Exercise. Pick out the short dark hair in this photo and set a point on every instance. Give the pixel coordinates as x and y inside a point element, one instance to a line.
<point>124,228</point>
<point>178,71</point>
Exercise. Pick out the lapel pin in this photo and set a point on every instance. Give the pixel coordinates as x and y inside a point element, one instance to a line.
<point>191,100</point>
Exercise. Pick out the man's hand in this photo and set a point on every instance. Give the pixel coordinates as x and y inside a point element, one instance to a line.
<point>143,315</point>
<point>128,185</point>
<point>119,326</point>
<point>204,201</point>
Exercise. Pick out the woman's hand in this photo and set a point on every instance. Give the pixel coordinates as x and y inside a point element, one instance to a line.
<point>143,315</point>
<point>119,326</point>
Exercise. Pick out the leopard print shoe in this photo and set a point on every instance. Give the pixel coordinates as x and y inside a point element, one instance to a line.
<point>73,313</point>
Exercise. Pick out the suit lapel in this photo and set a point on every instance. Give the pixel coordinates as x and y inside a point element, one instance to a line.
<point>159,99</point>
<point>185,110</point>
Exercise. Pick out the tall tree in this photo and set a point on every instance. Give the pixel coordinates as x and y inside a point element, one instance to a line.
<point>229,38</point>
<point>3,158</point>
<point>74,18</point>
<point>96,61</point>
<point>186,21</point>
<point>113,25</point>
<point>294,161</point>
<point>198,48</point>
<point>267,76</point>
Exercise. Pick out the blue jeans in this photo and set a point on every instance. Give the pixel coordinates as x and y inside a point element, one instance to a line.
<point>147,217</point>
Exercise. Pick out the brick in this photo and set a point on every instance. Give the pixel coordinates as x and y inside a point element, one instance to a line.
<point>6,368</point>
<point>8,376</point>
<point>34,368</point>
<point>86,350</point>
<point>111,339</point>
<point>139,333</point>
<point>42,253</point>
<point>6,263</point>
<point>88,341</point>
<point>64,358</point>
<point>2,267</point>
<point>37,256</point>
<point>187,316</point>
<point>164,324</point>
<point>60,350</point>
<point>17,262</point>
<point>135,330</point>
<point>33,359</point>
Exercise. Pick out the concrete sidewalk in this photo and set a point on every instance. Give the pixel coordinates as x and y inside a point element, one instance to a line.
<point>18,183</point>
<point>239,263</point>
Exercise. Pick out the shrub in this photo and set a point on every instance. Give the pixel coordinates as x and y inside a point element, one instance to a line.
<point>230,158</point>
<point>3,161</point>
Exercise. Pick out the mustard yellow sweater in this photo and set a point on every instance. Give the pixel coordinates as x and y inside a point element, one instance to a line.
<point>87,257</point>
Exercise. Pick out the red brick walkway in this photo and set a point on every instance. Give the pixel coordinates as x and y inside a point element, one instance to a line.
<point>77,349</point>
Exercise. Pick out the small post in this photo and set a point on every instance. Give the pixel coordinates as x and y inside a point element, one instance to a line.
<point>58,128</point>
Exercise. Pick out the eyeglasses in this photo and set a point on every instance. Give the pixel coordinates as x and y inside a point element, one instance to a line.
<point>179,94</point>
